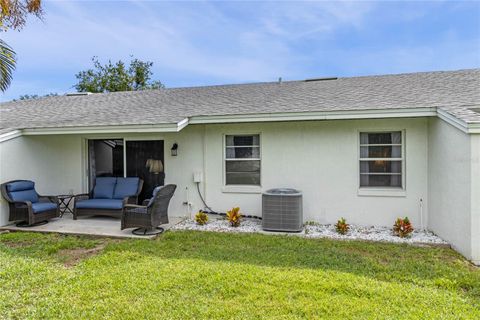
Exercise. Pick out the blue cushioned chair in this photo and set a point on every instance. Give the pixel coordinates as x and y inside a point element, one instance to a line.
<point>108,197</point>
<point>27,205</point>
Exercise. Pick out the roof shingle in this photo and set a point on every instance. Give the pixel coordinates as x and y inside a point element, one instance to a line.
<point>454,91</point>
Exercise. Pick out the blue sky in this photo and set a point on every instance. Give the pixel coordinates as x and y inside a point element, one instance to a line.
<point>201,43</point>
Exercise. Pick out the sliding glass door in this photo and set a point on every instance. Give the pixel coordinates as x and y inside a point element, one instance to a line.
<point>105,159</point>
<point>120,158</point>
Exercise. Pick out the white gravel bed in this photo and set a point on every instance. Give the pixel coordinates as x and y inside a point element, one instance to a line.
<point>383,234</point>
<point>220,225</point>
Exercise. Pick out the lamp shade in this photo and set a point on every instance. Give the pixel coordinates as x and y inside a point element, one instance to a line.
<point>154,166</point>
<point>148,163</point>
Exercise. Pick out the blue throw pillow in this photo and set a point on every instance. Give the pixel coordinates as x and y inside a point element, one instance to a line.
<point>22,191</point>
<point>104,187</point>
<point>154,194</point>
<point>21,185</point>
<point>125,187</point>
<point>24,195</point>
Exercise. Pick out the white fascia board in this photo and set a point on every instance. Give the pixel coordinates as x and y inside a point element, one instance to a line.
<point>471,128</point>
<point>182,124</point>
<point>146,128</point>
<point>10,135</point>
<point>454,121</point>
<point>324,115</point>
<point>474,128</point>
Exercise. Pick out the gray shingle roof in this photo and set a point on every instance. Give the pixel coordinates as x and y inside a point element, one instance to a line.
<point>454,91</point>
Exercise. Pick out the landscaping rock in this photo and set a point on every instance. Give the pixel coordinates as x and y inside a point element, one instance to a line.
<point>371,233</point>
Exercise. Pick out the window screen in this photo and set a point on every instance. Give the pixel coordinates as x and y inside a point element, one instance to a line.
<point>242,159</point>
<point>381,159</point>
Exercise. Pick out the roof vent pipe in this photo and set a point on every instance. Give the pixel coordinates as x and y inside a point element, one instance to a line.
<point>72,94</point>
<point>280,80</point>
<point>321,79</point>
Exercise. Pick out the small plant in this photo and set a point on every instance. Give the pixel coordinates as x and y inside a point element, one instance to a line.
<point>234,216</point>
<point>201,218</point>
<point>402,227</point>
<point>342,226</point>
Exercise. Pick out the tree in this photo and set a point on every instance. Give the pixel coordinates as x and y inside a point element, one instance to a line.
<point>13,16</point>
<point>117,76</point>
<point>35,96</point>
<point>7,65</point>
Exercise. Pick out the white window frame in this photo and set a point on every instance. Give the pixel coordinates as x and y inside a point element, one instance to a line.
<point>383,191</point>
<point>241,188</point>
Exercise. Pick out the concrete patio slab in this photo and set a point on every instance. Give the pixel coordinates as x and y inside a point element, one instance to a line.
<point>87,225</point>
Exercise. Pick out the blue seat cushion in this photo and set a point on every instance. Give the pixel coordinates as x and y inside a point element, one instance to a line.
<point>107,204</point>
<point>104,187</point>
<point>43,206</point>
<point>125,187</point>
<point>22,191</point>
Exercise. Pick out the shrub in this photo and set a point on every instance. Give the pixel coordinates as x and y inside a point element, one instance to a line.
<point>201,218</point>
<point>402,227</point>
<point>342,226</point>
<point>234,216</point>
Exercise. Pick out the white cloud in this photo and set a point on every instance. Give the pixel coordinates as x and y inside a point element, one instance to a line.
<point>217,42</point>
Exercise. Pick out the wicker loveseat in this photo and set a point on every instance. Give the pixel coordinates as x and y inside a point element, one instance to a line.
<point>27,205</point>
<point>108,197</point>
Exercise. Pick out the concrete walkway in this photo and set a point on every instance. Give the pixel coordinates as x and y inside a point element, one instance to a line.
<point>87,225</point>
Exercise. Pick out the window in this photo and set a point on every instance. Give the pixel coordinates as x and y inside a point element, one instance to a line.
<point>381,159</point>
<point>242,159</point>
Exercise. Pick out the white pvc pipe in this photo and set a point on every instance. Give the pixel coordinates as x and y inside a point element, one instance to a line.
<point>421,215</point>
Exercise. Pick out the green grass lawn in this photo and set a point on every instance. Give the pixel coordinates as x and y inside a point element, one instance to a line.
<point>203,275</point>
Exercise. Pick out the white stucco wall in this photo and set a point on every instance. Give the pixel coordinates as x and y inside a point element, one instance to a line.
<point>320,158</point>
<point>450,186</point>
<point>53,162</point>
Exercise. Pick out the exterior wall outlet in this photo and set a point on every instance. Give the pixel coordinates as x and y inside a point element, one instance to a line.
<point>197,177</point>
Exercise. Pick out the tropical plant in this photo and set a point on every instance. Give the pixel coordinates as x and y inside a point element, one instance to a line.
<point>13,16</point>
<point>234,216</point>
<point>7,65</point>
<point>402,227</point>
<point>201,218</point>
<point>112,77</point>
<point>342,226</point>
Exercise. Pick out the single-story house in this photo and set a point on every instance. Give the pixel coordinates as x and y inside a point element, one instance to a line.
<point>369,148</point>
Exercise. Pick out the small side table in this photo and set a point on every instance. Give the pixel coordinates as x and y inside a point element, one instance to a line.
<point>65,200</point>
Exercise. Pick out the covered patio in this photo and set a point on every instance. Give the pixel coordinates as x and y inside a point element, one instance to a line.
<point>88,225</point>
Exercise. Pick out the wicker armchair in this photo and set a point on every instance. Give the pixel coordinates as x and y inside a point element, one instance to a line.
<point>147,218</point>
<point>27,205</point>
